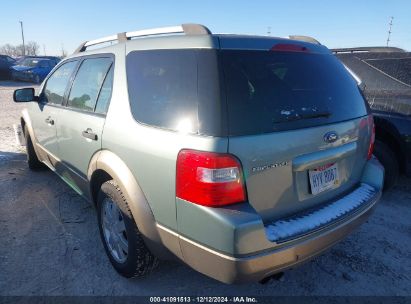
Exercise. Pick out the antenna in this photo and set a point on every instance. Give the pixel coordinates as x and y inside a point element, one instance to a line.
<point>268,30</point>
<point>389,30</point>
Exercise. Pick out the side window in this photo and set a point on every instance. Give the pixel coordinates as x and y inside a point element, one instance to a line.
<point>56,85</point>
<point>87,84</point>
<point>163,87</point>
<point>105,93</point>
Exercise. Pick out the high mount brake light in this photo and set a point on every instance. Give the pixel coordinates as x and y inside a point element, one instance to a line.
<point>209,179</point>
<point>289,47</point>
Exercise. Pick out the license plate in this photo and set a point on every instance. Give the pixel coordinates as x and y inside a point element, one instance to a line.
<point>323,178</point>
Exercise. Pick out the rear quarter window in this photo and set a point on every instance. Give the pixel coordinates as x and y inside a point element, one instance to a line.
<point>177,90</point>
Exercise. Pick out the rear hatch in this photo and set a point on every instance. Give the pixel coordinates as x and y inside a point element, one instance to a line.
<point>298,123</point>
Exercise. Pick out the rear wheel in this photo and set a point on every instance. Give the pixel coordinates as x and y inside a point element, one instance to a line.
<point>32,160</point>
<point>389,160</point>
<point>121,238</point>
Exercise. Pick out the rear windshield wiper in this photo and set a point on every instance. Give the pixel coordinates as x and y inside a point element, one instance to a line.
<point>300,116</point>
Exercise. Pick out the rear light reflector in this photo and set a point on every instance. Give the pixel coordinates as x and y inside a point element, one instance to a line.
<point>225,175</point>
<point>209,179</point>
<point>372,139</point>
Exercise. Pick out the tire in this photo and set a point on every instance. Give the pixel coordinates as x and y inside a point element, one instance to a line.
<point>136,260</point>
<point>389,160</point>
<point>32,160</point>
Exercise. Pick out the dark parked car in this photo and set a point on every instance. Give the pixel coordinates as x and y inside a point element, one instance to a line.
<point>5,64</point>
<point>33,69</point>
<point>385,73</point>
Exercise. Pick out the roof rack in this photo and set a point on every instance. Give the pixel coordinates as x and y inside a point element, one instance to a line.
<point>304,38</point>
<point>188,29</point>
<point>382,49</point>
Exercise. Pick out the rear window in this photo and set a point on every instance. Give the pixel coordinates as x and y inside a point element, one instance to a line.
<point>276,91</point>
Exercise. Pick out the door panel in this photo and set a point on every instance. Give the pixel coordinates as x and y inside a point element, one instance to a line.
<point>44,119</point>
<point>76,149</point>
<point>45,114</point>
<point>80,129</point>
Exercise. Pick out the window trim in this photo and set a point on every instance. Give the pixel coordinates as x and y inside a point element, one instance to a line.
<point>71,81</point>
<point>111,91</point>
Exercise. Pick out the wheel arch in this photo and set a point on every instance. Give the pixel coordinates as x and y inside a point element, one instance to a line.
<point>25,121</point>
<point>388,134</point>
<point>104,166</point>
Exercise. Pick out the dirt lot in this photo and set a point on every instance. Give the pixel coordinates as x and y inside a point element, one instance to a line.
<point>50,243</point>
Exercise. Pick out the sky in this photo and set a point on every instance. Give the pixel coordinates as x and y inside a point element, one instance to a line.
<point>344,23</point>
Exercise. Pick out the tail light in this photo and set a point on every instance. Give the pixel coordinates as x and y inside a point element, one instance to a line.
<point>372,140</point>
<point>209,179</point>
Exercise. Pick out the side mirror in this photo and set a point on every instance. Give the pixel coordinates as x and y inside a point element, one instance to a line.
<point>24,95</point>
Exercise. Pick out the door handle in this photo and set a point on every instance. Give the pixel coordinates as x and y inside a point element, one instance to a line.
<point>49,121</point>
<point>89,134</point>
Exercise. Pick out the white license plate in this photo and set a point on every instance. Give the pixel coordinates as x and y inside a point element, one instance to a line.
<point>323,178</point>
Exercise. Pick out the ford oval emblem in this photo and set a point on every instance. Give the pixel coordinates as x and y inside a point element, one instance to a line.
<point>330,137</point>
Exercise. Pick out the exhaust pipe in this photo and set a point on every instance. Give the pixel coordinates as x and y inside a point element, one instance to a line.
<point>276,277</point>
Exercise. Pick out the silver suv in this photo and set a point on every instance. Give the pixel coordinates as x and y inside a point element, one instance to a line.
<point>239,155</point>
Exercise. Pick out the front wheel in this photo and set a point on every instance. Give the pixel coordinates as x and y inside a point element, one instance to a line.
<point>121,238</point>
<point>32,160</point>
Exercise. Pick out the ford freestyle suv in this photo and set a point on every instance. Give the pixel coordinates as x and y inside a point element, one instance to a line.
<point>239,155</point>
<point>385,73</point>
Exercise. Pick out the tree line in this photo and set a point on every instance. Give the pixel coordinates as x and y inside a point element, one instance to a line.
<point>31,49</point>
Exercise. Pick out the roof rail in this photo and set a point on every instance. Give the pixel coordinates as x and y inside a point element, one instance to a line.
<point>188,29</point>
<point>304,38</point>
<point>382,49</point>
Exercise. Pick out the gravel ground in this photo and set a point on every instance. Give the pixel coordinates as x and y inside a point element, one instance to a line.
<point>50,243</point>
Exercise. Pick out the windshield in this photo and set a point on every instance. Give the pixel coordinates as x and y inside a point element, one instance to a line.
<point>397,68</point>
<point>29,62</point>
<point>275,91</point>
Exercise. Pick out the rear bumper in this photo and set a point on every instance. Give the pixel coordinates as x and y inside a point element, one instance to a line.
<point>230,269</point>
<point>233,244</point>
